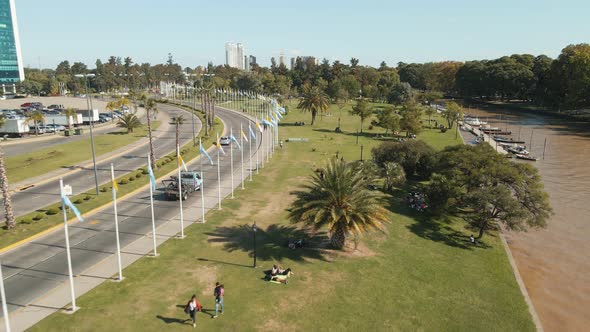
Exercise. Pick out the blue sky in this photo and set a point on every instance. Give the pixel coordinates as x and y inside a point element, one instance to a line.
<point>195,31</point>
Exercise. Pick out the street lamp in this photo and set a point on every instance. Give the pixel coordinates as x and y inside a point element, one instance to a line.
<point>254,229</point>
<point>90,122</point>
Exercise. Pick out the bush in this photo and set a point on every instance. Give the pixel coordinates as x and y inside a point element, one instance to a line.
<point>87,197</point>
<point>370,127</point>
<point>38,216</point>
<point>123,181</point>
<point>26,220</point>
<point>416,157</point>
<point>78,201</point>
<point>52,211</point>
<point>144,170</point>
<point>131,178</point>
<point>103,189</point>
<point>159,164</point>
<point>138,175</point>
<point>443,129</point>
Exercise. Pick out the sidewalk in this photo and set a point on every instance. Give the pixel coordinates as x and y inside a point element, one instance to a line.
<point>59,297</point>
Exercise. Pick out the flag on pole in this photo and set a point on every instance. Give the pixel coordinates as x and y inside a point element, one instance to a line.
<point>266,122</point>
<point>152,177</point>
<point>181,162</point>
<point>282,110</point>
<point>235,141</point>
<point>251,132</point>
<point>115,185</point>
<point>66,200</point>
<point>204,153</point>
<point>219,147</point>
<point>258,125</point>
<point>244,136</point>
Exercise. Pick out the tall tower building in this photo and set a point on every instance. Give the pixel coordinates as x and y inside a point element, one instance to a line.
<point>11,63</point>
<point>234,55</point>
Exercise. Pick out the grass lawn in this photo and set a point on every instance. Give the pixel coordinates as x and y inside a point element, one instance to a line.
<point>21,167</point>
<point>421,275</point>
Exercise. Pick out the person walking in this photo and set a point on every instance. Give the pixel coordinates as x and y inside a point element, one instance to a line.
<point>191,308</point>
<point>218,292</point>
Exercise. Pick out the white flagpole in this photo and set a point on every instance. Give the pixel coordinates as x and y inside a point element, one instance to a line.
<point>231,161</point>
<point>242,151</point>
<point>250,150</point>
<point>152,208</point>
<point>180,192</point>
<point>68,253</point>
<point>202,186</point>
<point>257,161</point>
<point>4,307</point>
<point>218,174</point>
<point>116,223</point>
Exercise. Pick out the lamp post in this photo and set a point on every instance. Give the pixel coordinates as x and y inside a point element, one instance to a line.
<point>90,110</point>
<point>254,229</point>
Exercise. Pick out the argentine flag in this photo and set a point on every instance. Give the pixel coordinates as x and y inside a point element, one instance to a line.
<point>152,177</point>
<point>244,136</point>
<point>66,201</point>
<point>203,152</point>
<point>235,141</point>
<point>252,133</point>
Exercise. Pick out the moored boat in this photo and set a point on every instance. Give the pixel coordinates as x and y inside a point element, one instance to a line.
<point>519,149</point>
<point>506,140</point>
<point>526,157</point>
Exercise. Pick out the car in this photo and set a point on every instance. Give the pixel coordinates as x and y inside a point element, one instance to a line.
<point>2,97</point>
<point>26,105</point>
<point>47,129</point>
<point>56,127</point>
<point>40,130</point>
<point>55,107</point>
<point>224,140</point>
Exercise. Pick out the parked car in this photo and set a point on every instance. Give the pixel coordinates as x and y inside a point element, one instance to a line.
<point>56,127</point>
<point>26,105</point>
<point>56,106</point>
<point>2,97</point>
<point>47,129</point>
<point>224,140</point>
<point>40,130</point>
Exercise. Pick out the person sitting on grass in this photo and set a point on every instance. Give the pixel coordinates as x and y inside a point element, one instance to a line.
<point>274,271</point>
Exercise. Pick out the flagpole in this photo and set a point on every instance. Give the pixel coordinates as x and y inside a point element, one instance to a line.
<point>180,193</point>
<point>4,306</point>
<point>68,253</point>
<point>218,174</point>
<point>231,161</point>
<point>152,208</point>
<point>242,150</point>
<point>202,185</point>
<point>250,150</point>
<point>116,223</point>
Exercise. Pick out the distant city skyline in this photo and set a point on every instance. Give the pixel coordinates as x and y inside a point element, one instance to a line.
<point>375,31</point>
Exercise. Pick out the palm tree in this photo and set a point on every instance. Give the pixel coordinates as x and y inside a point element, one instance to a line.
<point>8,212</point>
<point>150,107</point>
<point>314,100</point>
<point>339,198</point>
<point>69,113</point>
<point>129,121</point>
<point>36,117</point>
<point>112,106</point>
<point>178,121</point>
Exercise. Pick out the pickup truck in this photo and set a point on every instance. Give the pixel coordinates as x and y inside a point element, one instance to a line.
<point>191,182</point>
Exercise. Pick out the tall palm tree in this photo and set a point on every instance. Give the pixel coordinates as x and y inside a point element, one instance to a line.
<point>129,121</point>
<point>69,113</point>
<point>314,100</point>
<point>338,197</point>
<point>178,121</point>
<point>36,117</point>
<point>151,107</point>
<point>8,212</point>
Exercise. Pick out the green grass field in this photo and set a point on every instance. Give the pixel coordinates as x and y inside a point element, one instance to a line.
<point>42,161</point>
<point>420,275</point>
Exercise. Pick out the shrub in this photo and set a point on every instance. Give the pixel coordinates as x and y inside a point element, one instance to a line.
<point>78,201</point>
<point>138,175</point>
<point>87,197</point>
<point>131,178</point>
<point>416,157</point>
<point>371,127</point>
<point>103,189</point>
<point>38,216</point>
<point>144,170</point>
<point>26,220</point>
<point>159,164</point>
<point>443,129</point>
<point>123,181</point>
<point>52,211</point>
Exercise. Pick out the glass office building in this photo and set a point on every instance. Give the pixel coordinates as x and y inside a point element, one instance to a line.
<point>11,66</point>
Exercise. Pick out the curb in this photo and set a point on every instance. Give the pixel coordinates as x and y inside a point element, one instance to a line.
<point>91,212</point>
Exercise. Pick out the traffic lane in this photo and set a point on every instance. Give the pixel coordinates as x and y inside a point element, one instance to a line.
<point>94,240</point>
<point>39,196</point>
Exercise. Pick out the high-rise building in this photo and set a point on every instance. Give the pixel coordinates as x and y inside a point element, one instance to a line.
<point>11,64</point>
<point>282,59</point>
<point>252,60</point>
<point>305,60</point>
<point>234,55</point>
<point>249,60</point>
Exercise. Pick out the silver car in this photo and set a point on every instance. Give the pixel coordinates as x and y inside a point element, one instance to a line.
<point>224,140</point>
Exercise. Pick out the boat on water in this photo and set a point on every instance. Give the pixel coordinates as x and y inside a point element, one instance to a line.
<point>496,131</point>
<point>474,122</point>
<point>519,149</point>
<point>526,157</point>
<point>501,139</point>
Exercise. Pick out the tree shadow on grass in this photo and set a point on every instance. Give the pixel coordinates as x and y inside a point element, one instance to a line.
<point>271,243</point>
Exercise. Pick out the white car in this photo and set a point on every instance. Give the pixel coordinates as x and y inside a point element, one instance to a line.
<point>224,140</point>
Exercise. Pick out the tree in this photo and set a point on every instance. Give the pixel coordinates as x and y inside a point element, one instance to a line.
<point>129,121</point>
<point>411,120</point>
<point>429,111</point>
<point>388,119</point>
<point>491,189</point>
<point>338,198</point>
<point>400,93</point>
<point>178,121</point>
<point>151,108</point>
<point>8,211</point>
<point>362,110</point>
<point>452,113</point>
<point>313,100</point>
<point>393,175</point>
<point>36,117</point>
<point>70,113</point>
<point>416,157</point>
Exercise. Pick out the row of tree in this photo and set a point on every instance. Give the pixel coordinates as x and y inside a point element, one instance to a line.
<point>559,83</point>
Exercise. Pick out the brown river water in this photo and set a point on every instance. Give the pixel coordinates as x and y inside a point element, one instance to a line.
<point>555,262</point>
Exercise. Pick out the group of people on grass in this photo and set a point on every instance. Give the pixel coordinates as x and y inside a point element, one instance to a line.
<point>417,201</point>
<point>279,275</point>
<point>193,306</point>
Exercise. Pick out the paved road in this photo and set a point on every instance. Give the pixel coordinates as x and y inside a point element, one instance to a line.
<point>30,271</point>
<point>40,196</point>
